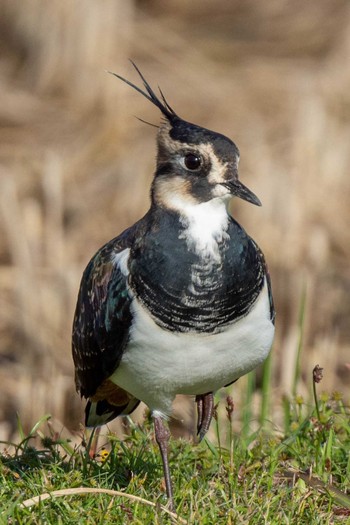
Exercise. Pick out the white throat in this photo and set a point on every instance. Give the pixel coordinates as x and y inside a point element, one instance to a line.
<point>205,226</point>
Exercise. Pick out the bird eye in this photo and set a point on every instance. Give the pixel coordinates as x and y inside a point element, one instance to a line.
<point>192,161</point>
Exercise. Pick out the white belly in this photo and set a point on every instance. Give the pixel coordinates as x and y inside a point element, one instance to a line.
<point>159,364</point>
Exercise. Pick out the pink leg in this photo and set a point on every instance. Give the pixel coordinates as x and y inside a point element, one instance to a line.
<point>205,408</point>
<point>162,438</point>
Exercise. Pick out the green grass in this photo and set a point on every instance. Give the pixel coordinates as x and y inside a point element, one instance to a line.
<point>300,475</point>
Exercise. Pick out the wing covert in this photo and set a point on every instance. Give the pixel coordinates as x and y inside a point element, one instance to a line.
<point>102,318</point>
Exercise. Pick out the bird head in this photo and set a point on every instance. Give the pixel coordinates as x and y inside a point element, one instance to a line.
<point>194,164</point>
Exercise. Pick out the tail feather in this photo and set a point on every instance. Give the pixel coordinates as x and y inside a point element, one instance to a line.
<point>99,413</point>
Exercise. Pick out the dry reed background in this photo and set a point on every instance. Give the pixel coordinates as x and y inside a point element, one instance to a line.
<point>76,166</point>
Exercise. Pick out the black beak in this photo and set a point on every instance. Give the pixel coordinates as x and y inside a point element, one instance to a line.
<point>238,189</point>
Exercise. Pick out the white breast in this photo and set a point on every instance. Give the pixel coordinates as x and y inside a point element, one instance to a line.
<point>159,364</point>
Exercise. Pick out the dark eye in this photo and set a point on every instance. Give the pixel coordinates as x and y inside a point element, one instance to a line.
<point>192,161</point>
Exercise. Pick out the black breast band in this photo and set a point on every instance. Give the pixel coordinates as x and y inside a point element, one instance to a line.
<point>186,292</point>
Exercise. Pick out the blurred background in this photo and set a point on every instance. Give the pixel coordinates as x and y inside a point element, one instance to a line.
<point>76,166</point>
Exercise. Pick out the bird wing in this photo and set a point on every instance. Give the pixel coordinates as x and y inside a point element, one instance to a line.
<point>268,281</point>
<point>272,306</point>
<point>102,316</point>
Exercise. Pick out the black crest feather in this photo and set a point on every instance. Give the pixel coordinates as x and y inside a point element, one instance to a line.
<point>161,103</point>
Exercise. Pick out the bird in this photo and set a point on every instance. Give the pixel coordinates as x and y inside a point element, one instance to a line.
<point>181,301</point>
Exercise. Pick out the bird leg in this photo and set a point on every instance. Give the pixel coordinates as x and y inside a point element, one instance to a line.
<point>162,438</point>
<point>205,409</point>
<point>93,442</point>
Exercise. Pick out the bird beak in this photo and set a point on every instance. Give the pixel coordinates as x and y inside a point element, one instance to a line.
<point>238,189</point>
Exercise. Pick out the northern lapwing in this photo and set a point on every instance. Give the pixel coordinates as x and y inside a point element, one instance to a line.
<point>180,302</point>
